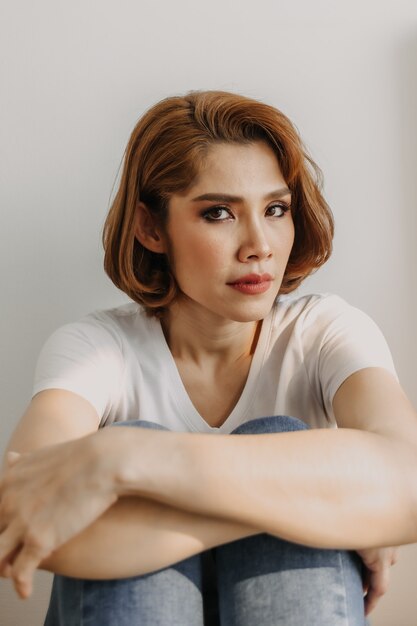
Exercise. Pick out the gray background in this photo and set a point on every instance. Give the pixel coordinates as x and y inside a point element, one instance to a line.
<point>75,76</point>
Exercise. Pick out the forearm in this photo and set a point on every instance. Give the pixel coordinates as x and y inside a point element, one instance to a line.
<point>341,488</point>
<point>137,536</point>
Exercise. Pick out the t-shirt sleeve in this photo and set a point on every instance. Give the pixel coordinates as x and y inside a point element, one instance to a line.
<point>345,340</point>
<point>83,357</point>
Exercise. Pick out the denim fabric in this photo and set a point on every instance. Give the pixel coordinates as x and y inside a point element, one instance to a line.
<point>260,580</point>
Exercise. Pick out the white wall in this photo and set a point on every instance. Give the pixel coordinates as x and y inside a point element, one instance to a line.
<point>75,78</point>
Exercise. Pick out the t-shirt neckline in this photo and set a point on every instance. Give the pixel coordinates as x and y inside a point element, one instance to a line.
<point>180,395</point>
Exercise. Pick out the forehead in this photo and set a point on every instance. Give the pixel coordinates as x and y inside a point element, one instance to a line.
<point>237,168</point>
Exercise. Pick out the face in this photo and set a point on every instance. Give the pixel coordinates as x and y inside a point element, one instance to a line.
<point>232,232</point>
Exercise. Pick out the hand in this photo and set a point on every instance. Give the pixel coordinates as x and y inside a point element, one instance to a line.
<point>376,578</point>
<point>47,497</point>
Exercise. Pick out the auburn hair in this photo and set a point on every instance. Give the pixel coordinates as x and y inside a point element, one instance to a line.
<point>164,155</point>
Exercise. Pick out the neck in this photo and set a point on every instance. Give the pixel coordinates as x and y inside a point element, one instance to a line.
<point>197,334</point>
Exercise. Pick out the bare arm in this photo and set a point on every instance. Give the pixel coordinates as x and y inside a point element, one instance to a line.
<point>355,486</point>
<point>350,488</point>
<point>144,535</point>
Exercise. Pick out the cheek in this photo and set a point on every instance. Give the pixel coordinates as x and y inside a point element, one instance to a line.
<point>288,236</point>
<point>291,238</point>
<point>202,252</point>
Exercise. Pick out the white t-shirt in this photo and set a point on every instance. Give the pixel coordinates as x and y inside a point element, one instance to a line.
<point>119,361</point>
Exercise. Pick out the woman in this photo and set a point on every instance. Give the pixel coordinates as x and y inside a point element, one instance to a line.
<point>219,211</point>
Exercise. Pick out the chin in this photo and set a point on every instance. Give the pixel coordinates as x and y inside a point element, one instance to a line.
<point>238,311</point>
<point>249,312</point>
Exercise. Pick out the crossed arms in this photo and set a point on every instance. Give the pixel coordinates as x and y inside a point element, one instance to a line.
<point>350,488</point>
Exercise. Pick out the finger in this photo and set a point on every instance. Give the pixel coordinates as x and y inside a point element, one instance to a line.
<point>28,559</point>
<point>23,578</point>
<point>366,577</point>
<point>378,587</point>
<point>371,600</point>
<point>7,564</point>
<point>6,571</point>
<point>9,541</point>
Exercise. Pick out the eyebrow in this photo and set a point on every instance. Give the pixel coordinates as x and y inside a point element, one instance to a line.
<point>225,197</point>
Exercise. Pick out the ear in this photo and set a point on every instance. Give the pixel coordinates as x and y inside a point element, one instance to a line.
<point>146,230</point>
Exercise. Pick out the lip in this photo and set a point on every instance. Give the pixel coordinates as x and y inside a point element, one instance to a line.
<point>252,284</point>
<point>252,279</point>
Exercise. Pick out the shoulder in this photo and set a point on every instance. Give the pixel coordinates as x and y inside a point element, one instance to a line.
<point>318,310</point>
<point>307,303</point>
<point>332,340</point>
<point>100,339</point>
<point>88,356</point>
<point>309,310</point>
<point>326,327</point>
<point>99,329</point>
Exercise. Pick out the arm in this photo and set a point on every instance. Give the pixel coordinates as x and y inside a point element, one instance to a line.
<point>355,487</point>
<point>350,488</point>
<point>145,536</point>
<point>58,416</point>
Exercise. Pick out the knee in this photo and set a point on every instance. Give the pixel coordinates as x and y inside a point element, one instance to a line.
<point>274,424</point>
<point>141,424</point>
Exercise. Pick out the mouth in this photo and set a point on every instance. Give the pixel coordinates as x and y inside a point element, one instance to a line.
<point>252,279</point>
<point>252,284</point>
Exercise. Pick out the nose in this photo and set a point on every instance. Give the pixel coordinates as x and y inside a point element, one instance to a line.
<point>254,244</point>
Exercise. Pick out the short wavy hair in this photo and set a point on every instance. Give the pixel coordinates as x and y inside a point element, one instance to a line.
<point>164,155</point>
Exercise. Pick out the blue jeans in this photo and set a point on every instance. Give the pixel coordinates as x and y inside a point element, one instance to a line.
<point>259,580</point>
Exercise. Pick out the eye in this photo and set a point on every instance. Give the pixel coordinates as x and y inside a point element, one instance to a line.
<point>216,214</point>
<point>278,210</point>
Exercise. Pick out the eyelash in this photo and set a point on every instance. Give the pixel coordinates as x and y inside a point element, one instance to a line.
<point>207,214</point>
